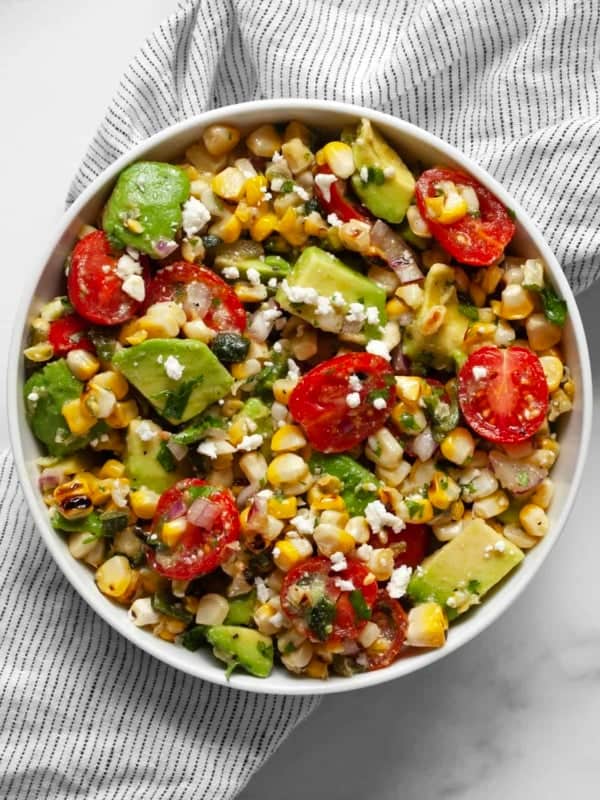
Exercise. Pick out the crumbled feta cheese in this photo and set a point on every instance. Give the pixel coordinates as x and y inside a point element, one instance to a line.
<point>364,552</point>
<point>398,583</point>
<point>279,411</point>
<point>451,602</point>
<point>207,448</point>
<point>323,305</point>
<point>231,273</point>
<point>379,518</point>
<point>33,397</point>
<point>277,158</point>
<point>338,300</point>
<point>300,294</point>
<point>354,383</point>
<point>106,269</point>
<point>344,585</point>
<point>195,215</point>
<point>272,283</point>
<point>293,370</point>
<point>174,368</point>
<point>267,196</point>
<point>338,561</point>
<point>119,493</point>
<point>301,192</point>
<point>334,220</point>
<point>389,172</point>
<point>145,431</point>
<point>252,442</point>
<point>127,266</point>
<point>324,180</point>
<point>277,347</point>
<point>133,253</point>
<point>372,315</point>
<point>304,523</point>
<point>500,546</point>
<point>378,348</point>
<point>353,399</point>
<point>364,174</point>
<point>271,314</point>
<point>356,313</point>
<point>263,593</point>
<point>253,276</point>
<point>479,373</point>
<point>135,287</point>
<point>277,184</point>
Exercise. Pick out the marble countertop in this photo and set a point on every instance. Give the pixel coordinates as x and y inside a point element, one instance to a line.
<point>512,714</point>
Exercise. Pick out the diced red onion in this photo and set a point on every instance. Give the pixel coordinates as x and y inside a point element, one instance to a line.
<point>179,451</point>
<point>177,509</point>
<point>164,247</point>
<point>247,494</point>
<point>400,363</point>
<point>203,513</point>
<point>518,477</point>
<point>198,299</point>
<point>50,478</point>
<point>398,255</point>
<point>351,648</point>
<point>424,445</point>
<point>258,513</point>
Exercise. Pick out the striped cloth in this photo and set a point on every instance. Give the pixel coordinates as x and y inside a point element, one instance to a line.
<point>514,85</point>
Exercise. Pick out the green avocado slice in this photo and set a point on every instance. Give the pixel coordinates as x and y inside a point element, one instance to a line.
<point>243,647</point>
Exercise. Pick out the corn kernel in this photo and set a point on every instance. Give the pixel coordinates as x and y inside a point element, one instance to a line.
<point>409,420</point>
<point>264,141</point>
<point>43,351</point>
<point>314,225</point>
<point>115,577</point>
<point>415,509</point>
<point>458,446</point>
<point>544,493</point>
<point>541,333</point>
<point>288,438</point>
<point>255,188</point>
<point>317,669</point>
<point>220,139</point>
<point>228,228</point>
<point>291,227</point>
<point>172,531</point>
<point>516,302</point>
<point>443,491</point>
<point>83,365</point>
<point>112,469</point>
<point>339,158</point>
<point>381,563</point>
<point>358,528</point>
<point>282,507</point>
<point>78,418</point>
<point>491,506</point>
<point>245,369</point>
<point>286,468</point>
<point>288,553</point>
<point>143,502</point>
<point>113,382</point>
<point>427,625</point>
<point>297,155</point>
<point>282,389</point>
<point>123,413</point>
<point>330,539</point>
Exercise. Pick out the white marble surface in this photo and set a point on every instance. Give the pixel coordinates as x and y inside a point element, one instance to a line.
<point>516,712</point>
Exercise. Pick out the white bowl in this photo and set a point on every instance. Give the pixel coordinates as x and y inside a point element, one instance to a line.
<point>47,281</point>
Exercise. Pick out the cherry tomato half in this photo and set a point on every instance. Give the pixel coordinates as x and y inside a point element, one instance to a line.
<point>474,240</point>
<point>503,394</point>
<point>337,201</point>
<point>95,289</point>
<point>314,598</point>
<point>392,621</point>
<point>69,333</point>
<point>203,294</point>
<point>409,545</point>
<point>212,523</point>
<point>319,401</point>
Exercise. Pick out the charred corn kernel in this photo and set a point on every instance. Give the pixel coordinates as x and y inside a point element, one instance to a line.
<point>172,531</point>
<point>427,626</point>
<point>73,498</point>
<point>358,528</point>
<point>408,418</point>
<point>492,505</point>
<point>228,228</point>
<point>516,302</point>
<point>416,222</point>
<point>193,250</point>
<point>249,293</point>
<point>560,403</point>
<point>384,449</point>
<point>98,401</point>
<point>255,188</point>
<point>78,418</point>
<point>317,669</point>
<point>297,155</point>
<point>291,227</point>
<point>449,206</point>
<point>282,507</point>
<point>412,294</point>
<point>355,235</point>
<point>477,294</point>
<point>381,563</point>
<point>395,476</point>
<point>141,612</point>
<point>319,500</point>
<point>253,465</point>
<point>443,491</point>
<point>541,333</point>
<point>115,577</point>
<point>330,539</point>
<point>198,330</point>
<point>408,388</point>
<point>264,141</point>
<point>112,469</point>
<point>229,184</point>
<point>396,308</point>
<point>123,413</point>
<point>457,510</point>
<point>338,156</point>
<point>533,273</point>
<point>415,509</point>
<point>286,468</point>
<point>43,351</point>
<point>534,520</point>
<point>143,502</point>
<point>212,609</point>
<point>516,535</point>
<point>287,553</point>
<point>220,139</point>
<point>543,495</point>
<point>288,439</point>
<point>458,446</point>
<point>282,389</point>
<point>245,369</point>
<point>113,382</point>
<point>83,365</point>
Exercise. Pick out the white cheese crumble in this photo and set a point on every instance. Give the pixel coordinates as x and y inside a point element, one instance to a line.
<point>324,180</point>
<point>364,552</point>
<point>389,172</point>
<point>300,294</point>
<point>33,397</point>
<point>270,314</point>
<point>145,431</point>
<point>479,373</point>
<point>354,383</point>
<point>293,370</point>
<point>119,493</point>
<point>334,220</point>
<point>353,400</point>
<point>364,174</point>
<point>263,593</point>
<point>195,216</point>
<point>379,518</point>
<point>135,287</point>
<point>277,184</point>
<point>127,266</point>
<point>304,523</point>
<point>323,305</point>
<point>379,403</point>
<point>253,276</point>
<point>252,442</point>
<point>344,585</point>
<point>301,192</point>
<point>277,347</point>
<point>338,300</point>
<point>133,253</point>
<point>378,348</point>
<point>356,313</point>
<point>372,315</point>
<point>500,546</point>
<point>398,583</point>
<point>277,158</point>
<point>231,273</point>
<point>338,561</point>
<point>174,368</point>
<point>207,449</point>
<point>272,283</point>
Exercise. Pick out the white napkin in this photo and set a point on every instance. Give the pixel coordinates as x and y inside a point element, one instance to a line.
<point>514,85</point>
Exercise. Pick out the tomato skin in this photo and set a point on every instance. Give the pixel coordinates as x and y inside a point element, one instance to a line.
<point>392,620</point>
<point>476,241</point>
<point>68,333</point>
<point>415,537</point>
<point>509,404</point>
<point>318,402</point>
<point>225,313</point>
<point>96,292</point>
<point>339,204</point>
<point>198,551</point>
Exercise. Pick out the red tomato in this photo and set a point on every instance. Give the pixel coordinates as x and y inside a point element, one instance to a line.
<point>319,401</point>
<point>338,202</point>
<point>392,620</point>
<point>95,289</point>
<point>203,545</point>
<point>474,240</point>
<point>69,333</point>
<point>503,394</point>
<point>203,295</point>
<point>414,537</point>
<point>319,608</point>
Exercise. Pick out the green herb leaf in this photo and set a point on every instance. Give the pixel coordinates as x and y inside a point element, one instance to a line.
<point>474,586</point>
<point>408,422</point>
<point>287,186</point>
<point>196,431</point>
<point>469,311</point>
<point>523,477</point>
<point>113,522</point>
<point>375,175</point>
<point>320,618</point>
<point>359,604</point>
<point>163,603</point>
<point>166,458</point>
<point>200,491</point>
<point>194,638</point>
<point>555,309</point>
<point>413,506</point>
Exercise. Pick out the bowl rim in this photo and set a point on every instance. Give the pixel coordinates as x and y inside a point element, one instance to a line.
<point>66,563</point>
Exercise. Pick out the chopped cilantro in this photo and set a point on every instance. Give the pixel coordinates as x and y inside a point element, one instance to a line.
<point>523,477</point>
<point>474,586</point>
<point>166,458</point>
<point>414,507</point>
<point>359,604</point>
<point>408,422</point>
<point>200,491</point>
<point>195,432</point>
<point>374,394</point>
<point>210,240</point>
<point>164,603</point>
<point>311,205</point>
<point>320,618</point>
<point>555,309</point>
<point>375,175</point>
<point>264,649</point>
<point>287,186</point>
<point>194,638</point>
<point>469,311</point>
<point>176,400</point>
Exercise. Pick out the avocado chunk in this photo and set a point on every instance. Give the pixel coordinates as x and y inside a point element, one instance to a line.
<point>267,267</point>
<point>387,196</point>
<point>326,275</point>
<point>359,486</point>
<point>242,647</point>
<point>444,348</point>
<point>241,609</point>
<point>46,391</point>
<point>259,413</point>
<point>203,379</point>
<point>144,209</point>
<point>458,574</point>
<point>142,458</point>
